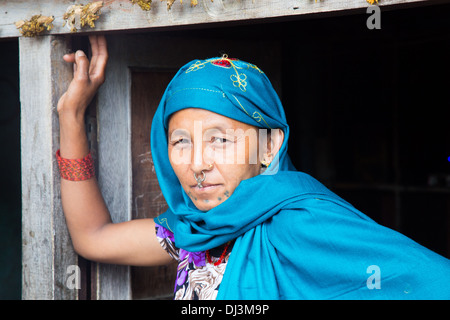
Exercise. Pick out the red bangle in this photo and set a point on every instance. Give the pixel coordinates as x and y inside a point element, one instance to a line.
<point>76,169</point>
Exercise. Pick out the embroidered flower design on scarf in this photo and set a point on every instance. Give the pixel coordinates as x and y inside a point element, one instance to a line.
<point>196,66</point>
<point>239,79</point>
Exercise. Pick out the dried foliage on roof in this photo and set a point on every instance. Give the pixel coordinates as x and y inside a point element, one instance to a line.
<point>34,26</point>
<point>78,15</point>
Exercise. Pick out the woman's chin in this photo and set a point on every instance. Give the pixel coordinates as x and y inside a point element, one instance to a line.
<point>206,204</point>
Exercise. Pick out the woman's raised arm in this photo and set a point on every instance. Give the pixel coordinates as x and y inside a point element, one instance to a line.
<point>93,234</point>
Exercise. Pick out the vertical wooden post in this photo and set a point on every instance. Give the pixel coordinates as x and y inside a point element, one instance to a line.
<point>114,162</point>
<point>46,247</point>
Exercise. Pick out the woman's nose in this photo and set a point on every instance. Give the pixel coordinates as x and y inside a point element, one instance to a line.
<point>201,159</point>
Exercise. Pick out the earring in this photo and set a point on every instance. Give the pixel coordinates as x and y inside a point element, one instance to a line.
<point>265,163</point>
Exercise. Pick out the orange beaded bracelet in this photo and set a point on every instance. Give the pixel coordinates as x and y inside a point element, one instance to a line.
<point>76,169</point>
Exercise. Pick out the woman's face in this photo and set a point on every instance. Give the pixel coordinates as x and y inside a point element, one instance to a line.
<point>226,150</point>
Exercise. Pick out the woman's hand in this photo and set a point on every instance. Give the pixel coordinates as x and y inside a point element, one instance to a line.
<point>87,77</point>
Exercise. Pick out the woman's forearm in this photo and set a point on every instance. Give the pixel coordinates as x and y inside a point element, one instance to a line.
<point>82,202</point>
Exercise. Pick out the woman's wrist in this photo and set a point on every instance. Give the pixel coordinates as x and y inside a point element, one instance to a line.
<point>73,139</point>
<point>76,169</point>
<point>71,115</point>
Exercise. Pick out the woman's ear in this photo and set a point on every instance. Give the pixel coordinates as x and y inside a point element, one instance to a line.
<point>275,140</point>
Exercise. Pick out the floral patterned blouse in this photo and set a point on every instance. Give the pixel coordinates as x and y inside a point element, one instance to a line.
<point>197,276</point>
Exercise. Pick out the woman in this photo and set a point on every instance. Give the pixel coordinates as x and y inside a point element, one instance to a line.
<point>242,222</point>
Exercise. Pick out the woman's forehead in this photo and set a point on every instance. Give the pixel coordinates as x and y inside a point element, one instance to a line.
<point>186,119</point>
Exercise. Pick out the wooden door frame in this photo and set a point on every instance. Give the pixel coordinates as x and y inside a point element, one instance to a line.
<point>46,245</point>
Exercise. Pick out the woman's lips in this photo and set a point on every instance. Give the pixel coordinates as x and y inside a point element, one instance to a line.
<point>205,188</point>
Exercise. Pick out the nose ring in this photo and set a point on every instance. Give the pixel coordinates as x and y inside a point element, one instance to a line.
<point>200,180</point>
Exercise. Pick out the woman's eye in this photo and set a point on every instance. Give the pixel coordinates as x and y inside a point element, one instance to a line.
<point>218,140</point>
<point>181,141</point>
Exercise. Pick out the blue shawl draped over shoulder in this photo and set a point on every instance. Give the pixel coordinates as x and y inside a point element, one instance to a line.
<point>295,239</point>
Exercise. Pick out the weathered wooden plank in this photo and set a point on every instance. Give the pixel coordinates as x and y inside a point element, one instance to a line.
<point>46,247</point>
<point>123,15</point>
<point>114,162</point>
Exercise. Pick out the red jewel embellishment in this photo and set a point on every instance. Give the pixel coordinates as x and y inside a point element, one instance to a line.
<point>224,62</point>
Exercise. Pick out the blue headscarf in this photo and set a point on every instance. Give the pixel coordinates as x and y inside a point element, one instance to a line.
<point>294,237</point>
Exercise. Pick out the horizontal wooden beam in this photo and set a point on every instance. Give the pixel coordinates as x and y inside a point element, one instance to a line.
<point>119,15</point>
